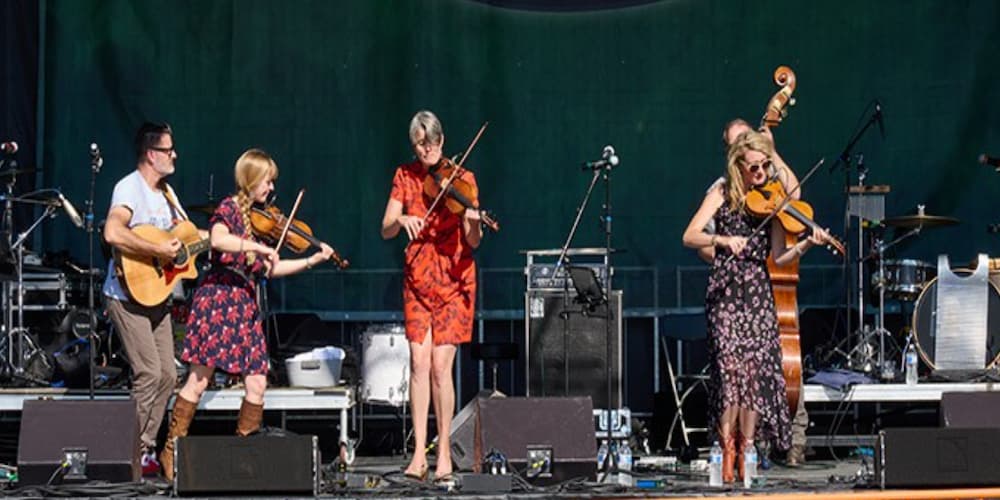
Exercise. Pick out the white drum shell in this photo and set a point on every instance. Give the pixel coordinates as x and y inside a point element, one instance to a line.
<point>385,365</point>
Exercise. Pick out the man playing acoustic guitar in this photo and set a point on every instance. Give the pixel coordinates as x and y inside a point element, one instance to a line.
<point>144,198</point>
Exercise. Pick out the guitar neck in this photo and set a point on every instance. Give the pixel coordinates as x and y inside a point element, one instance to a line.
<point>199,247</point>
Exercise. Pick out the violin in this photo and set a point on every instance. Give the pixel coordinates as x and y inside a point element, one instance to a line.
<point>444,181</point>
<point>268,222</point>
<point>796,217</point>
<point>459,195</point>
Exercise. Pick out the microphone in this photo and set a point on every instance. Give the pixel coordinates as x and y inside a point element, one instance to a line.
<point>96,160</point>
<point>9,147</point>
<point>70,211</point>
<point>608,160</point>
<point>986,159</point>
<point>878,117</point>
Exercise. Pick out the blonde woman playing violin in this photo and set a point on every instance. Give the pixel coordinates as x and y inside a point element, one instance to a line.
<point>225,328</point>
<point>747,389</point>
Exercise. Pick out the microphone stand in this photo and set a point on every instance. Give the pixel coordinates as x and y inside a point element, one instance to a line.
<point>95,168</point>
<point>605,172</point>
<point>845,159</point>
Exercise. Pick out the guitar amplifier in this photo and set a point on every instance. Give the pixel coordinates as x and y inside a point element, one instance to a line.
<point>544,277</point>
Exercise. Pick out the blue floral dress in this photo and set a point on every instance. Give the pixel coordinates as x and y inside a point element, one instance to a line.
<point>744,349</point>
<point>224,328</point>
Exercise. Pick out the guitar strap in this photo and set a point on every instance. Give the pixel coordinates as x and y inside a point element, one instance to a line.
<point>178,212</point>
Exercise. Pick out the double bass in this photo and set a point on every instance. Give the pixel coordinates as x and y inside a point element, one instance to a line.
<point>785,280</point>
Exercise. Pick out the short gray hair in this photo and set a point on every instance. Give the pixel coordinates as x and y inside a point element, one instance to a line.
<point>429,123</point>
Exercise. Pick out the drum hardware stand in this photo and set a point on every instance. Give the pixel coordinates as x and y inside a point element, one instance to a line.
<point>885,367</point>
<point>17,335</point>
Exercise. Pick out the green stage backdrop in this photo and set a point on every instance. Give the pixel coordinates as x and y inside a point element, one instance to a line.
<point>328,88</point>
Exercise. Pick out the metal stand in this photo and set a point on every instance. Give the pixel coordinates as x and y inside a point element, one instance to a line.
<point>845,160</point>
<point>604,171</point>
<point>96,162</point>
<point>17,335</point>
<point>885,367</point>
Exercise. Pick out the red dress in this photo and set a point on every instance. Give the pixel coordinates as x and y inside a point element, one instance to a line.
<point>439,273</point>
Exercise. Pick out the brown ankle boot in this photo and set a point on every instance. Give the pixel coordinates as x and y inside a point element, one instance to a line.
<point>738,440</point>
<point>728,457</point>
<point>180,421</point>
<point>249,419</point>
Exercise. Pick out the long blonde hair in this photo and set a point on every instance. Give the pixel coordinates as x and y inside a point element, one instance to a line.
<point>747,141</point>
<point>252,167</point>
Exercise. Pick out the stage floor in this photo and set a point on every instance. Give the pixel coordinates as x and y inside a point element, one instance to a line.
<point>381,477</point>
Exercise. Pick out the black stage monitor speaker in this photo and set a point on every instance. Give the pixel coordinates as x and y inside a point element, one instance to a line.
<point>103,435</point>
<point>566,350</point>
<point>560,430</point>
<point>970,409</point>
<point>919,457</point>
<point>251,465</point>
<point>463,431</point>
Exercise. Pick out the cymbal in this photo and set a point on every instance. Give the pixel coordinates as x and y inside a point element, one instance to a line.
<point>203,208</point>
<point>16,171</point>
<point>910,221</point>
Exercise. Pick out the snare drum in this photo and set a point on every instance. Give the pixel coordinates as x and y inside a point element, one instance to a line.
<point>924,325</point>
<point>904,278</point>
<point>385,365</point>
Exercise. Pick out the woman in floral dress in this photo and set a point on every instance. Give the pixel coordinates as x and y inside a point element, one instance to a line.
<point>747,389</point>
<point>224,329</point>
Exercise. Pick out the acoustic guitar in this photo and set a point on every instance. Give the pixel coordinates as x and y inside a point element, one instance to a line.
<point>150,280</point>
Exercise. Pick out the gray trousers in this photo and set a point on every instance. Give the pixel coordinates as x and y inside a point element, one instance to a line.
<point>148,337</point>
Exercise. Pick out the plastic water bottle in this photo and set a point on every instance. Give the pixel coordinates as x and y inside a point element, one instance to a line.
<point>715,465</point>
<point>911,364</point>
<point>602,454</point>
<point>625,464</point>
<point>749,464</point>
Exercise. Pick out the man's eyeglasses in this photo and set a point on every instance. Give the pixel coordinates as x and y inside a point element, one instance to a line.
<point>753,168</point>
<point>169,150</point>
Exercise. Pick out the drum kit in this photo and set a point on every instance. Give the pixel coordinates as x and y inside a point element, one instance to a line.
<point>914,284</point>
<point>28,287</point>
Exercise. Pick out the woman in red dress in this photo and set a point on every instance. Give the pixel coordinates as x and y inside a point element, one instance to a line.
<point>225,329</point>
<point>439,288</point>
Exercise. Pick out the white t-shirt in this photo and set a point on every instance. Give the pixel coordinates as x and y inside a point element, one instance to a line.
<point>148,207</point>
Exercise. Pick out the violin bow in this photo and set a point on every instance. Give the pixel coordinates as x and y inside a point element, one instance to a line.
<point>291,217</point>
<point>458,170</point>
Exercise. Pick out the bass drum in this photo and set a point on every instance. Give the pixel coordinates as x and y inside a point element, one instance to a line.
<point>926,310</point>
<point>385,365</point>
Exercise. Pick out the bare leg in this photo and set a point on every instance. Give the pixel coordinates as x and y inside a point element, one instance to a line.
<point>196,383</point>
<point>255,387</point>
<point>443,396</point>
<point>420,396</point>
<point>748,424</point>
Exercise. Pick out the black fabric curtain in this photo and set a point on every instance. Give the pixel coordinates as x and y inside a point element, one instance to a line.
<point>18,98</point>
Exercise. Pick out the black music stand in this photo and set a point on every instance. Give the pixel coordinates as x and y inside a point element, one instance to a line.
<point>588,288</point>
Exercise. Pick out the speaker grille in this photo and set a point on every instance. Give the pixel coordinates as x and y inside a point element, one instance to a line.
<point>566,350</point>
